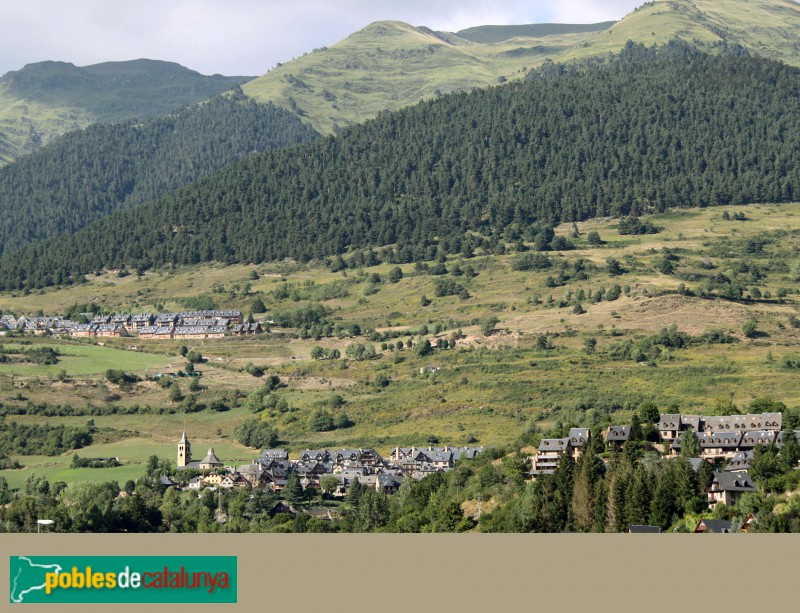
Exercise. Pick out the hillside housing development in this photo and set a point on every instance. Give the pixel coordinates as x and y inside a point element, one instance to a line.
<point>726,442</point>
<point>160,326</point>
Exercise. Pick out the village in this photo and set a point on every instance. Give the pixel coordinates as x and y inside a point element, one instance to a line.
<point>331,471</point>
<point>726,443</point>
<point>184,325</point>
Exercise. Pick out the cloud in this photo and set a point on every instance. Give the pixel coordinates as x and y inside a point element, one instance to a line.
<point>245,37</point>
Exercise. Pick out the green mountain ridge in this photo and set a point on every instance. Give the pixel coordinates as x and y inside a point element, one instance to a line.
<point>637,133</point>
<point>391,64</point>
<point>46,99</point>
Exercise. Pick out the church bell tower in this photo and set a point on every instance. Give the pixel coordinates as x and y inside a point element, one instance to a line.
<point>184,451</point>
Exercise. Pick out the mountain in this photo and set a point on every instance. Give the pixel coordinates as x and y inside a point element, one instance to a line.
<point>768,28</point>
<point>390,64</point>
<point>89,173</point>
<point>47,99</point>
<point>636,133</point>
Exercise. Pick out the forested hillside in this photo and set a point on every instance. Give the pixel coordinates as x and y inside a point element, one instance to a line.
<point>646,131</point>
<point>90,173</point>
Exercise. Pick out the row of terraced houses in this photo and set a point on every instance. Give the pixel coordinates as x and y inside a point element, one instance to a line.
<point>184,325</point>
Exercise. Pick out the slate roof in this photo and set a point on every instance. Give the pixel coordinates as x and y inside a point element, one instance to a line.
<point>211,458</point>
<point>669,421</point>
<point>190,330</point>
<point>85,328</point>
<point>722,440</point>
<point>739,462</point>
<point>757,437</point>
<point>716,525</point>
<point>618,434</point>
<point>696,463</point>
<point>632,529</point>
<point>751,421</point>
<point>579,437</point>
<point>732,482</point>
<point>692,421</point>
<point>553,444</point>
<point>779,438</point>
<point>275,454</point>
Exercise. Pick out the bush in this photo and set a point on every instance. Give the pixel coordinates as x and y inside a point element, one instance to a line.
<point>360,351</point>
<point>395,274</point>
<point>257,434</point>
<point>449,287</point>
<point>593,238</point>
<point>121,378</point>
<point>254,370</point>
<point>487,324</point>
<point>321,421</point>
<point>194,357</point>
<point>342,420</point>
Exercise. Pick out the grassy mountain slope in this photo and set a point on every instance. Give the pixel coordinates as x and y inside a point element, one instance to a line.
<point>388,65</point>
<point>47,99</point>
<point>766,27</point>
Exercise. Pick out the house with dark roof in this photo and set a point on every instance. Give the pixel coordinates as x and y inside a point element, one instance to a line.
<point>166,320</point>
<point>247,329</point>
<point>714,526</point>
<point>728,487</point>
<point>739,462</point>
<point>742,423</point>
<point>140,321</point>
<point>617,436</point>
<point>275,454</point>
<point>578,440</point>
<point>112,330</point>
<point>84,330</point>
<point>315,455</point>
<point>669,424</point>
<point>186,332</point>
<point>548,455</point>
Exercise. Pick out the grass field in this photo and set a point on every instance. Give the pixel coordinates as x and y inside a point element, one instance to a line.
<point>488,390</point>
<point>79,359</point>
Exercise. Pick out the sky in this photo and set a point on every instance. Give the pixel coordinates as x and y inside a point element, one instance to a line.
<point>245,37</point>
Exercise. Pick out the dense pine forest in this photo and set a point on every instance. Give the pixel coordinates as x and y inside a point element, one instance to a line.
<point>647,130</point>
<point>88,174</point>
